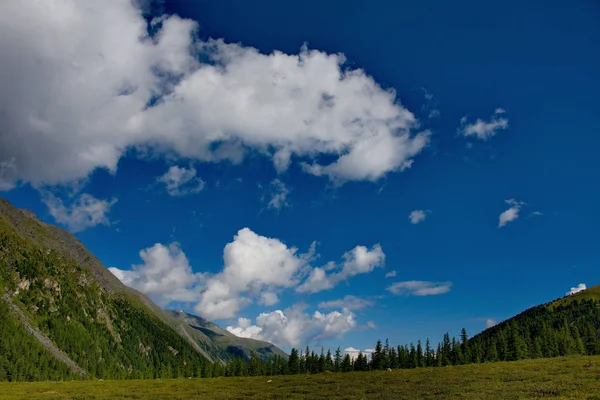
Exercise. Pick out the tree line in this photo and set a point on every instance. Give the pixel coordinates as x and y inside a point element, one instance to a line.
<point>541,332</point>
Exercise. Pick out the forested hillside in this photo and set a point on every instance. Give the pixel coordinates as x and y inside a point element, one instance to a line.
<point>64,314</point>
<point>568,326</point>
<point>100,326</point>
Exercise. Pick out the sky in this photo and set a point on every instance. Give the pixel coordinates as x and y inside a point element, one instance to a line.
<point>323,173</point>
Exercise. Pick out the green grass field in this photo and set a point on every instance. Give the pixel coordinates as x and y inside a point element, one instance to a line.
<point>559,378</point>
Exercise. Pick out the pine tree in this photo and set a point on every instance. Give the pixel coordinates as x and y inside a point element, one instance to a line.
<point>302,363</point>
<point>578,347</point>
<point>322,362</point>
<point>393,359</point>
<point>346,364</point>
<point>413,356</point>
<point>438,356</point>
<point>492,354</point>
<point>329,362</point>
<point>517,347</point>
<point>420,356</point>
<point>385,355</point>
<point>376,357</point>
<point>446,348</point>
<point>337,361</point>
<point>294,362</point>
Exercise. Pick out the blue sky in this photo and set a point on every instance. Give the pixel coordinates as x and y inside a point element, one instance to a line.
<point>201,163</point>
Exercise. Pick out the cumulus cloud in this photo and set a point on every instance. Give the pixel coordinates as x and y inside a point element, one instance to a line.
<point>295,327</point>
<point>165,275</point>
<point>577,289</point>
<point>278,193</point>
<point>359,260</point>
<point>317,281</point>
<point>252,264</point>
<point>77,96</point>
<point>268,299</point>
<point>482,129</point>
<point>180,181</point>
<point>417,216</point>
<point>255,268</point>
<point>420,288</point>
<point>511,213</point>
<point>390,274</point>
<point>490,322</point>
<point>84,212</point>
<point>350,302</point>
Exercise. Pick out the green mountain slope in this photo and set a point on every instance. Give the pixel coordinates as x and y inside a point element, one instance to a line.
<point>58,299</point>
<point>55,290</point>
<point>227,342</point>
<point>565,326</point>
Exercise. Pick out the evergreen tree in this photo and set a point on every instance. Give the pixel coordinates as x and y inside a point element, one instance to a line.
<point>429,354</point>
<point>492,353</point>
<point>393,359</point>
<point>329,361</point>
<point>294,362</point>
<point>420,356</point>
<point>337,361</point>
<point>446,348</point>
<point>376,357</point>
<point>346,364</point>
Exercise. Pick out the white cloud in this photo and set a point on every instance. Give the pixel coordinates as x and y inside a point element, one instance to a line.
<point>420,288</point>
<point>511,213</point>
<point>84,212</point>
<point>317,281</point>
<point>359,260</point>
<point>417,216</point>
<point>577,289</point>
<point>278,194</point>
<point>164,276</point>
<point>490,322</point>
<point>255,269</point>
<point>371,325</point>
<point>268,299</point>
<point>353,352</point>
<point>8,174</point>
<point>484,129</point>
<point>350,302</point>
<point>536,213</point>
<point>180,181</point>
<point>252,264</point>
<point>77,96</point>
<point>245,329</point>
<point>390,274</point>
<point>294,327</point>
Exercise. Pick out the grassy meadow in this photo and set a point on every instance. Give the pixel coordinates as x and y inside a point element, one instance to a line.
<point>557,378</point>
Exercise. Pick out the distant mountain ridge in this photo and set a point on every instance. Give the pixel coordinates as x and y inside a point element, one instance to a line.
<point>65,315</point>
<point>227,341</point>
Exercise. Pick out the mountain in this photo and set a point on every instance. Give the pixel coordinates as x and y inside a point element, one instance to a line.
<point>566,326</point>
<point>64,315</point>
<point>228,342</point>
